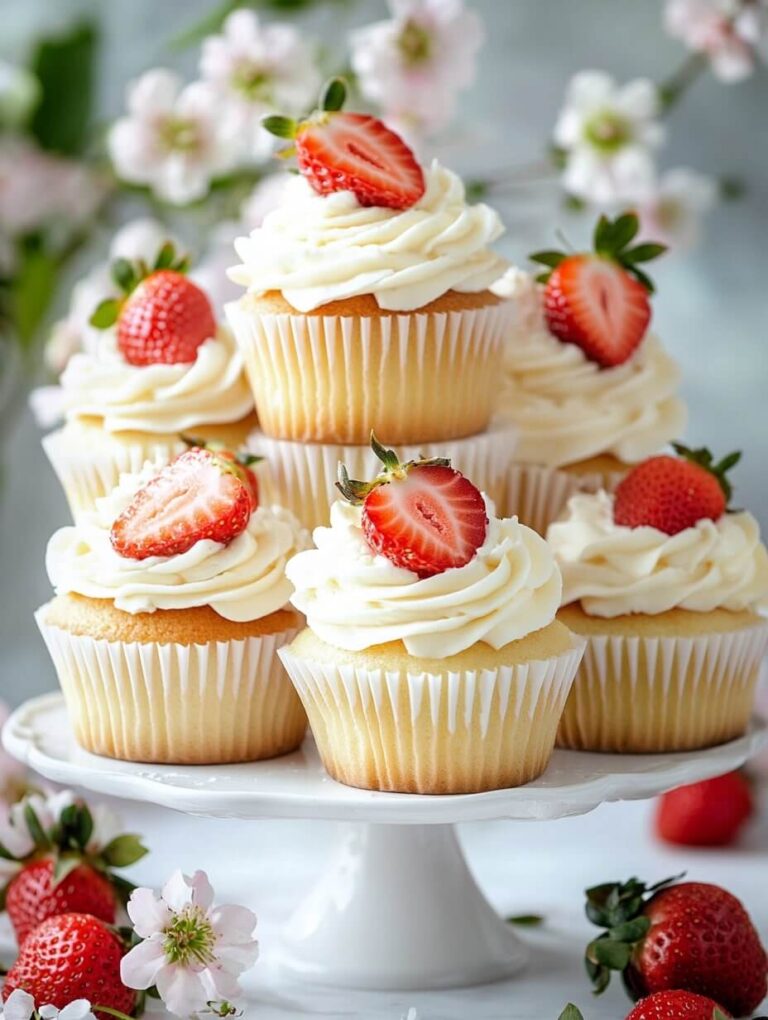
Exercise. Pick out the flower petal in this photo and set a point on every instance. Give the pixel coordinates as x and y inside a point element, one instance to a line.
<point>143,966</point>
<point>148,914</point>
<point>202,890</point>
<point>181,990</point>
<point>19,1006</point>
<point>177,891</point>
<point>234,925</point>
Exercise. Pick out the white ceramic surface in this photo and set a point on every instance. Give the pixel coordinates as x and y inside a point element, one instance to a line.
<point>397,907</point>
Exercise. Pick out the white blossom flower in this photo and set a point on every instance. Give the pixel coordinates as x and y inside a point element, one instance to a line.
<point>673,214</point>
<point>727,32</point>
<point>191,951</point>
<point>607,133</point>
<point>38,189</point>
<point>174,140</point>
<point>21,1006</point>
<point>19,92</point>
<point>78,1009</point>
<point>256,69</point>
<point>18,1006</point>
<point>414,65</point>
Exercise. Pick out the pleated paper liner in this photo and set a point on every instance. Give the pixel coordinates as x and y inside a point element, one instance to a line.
<point>462,732</point>
<point>225,701</point>
<point>302,476</point>
<point>538,494</point>
<point>662,694</point>
<point>414,377</point>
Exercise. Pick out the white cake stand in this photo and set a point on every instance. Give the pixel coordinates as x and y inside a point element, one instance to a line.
<point>397,907</point>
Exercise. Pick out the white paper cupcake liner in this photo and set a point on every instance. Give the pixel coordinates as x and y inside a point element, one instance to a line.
<point>302,476</point>
<point>538,494</point>
<point>655,694</point>
<point>421,733</point>
<point>332,379</point>
<point>225,701</point>
<point>89,463</point>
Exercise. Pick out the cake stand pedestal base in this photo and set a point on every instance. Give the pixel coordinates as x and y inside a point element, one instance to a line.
<point>398,908</point>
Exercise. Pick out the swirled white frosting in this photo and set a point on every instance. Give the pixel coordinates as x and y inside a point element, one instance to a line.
<point>354,599</point>
<point>244,580</point>
<point>158,398</point>
<point>567,408</point>
<point>321,248</point>
<point>614,570</point>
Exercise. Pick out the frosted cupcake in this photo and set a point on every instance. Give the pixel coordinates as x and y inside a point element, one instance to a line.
<point>163,367</point>
<point>171,602</point>
<point>369,293</point>
<point>589,388</point>
<point>432,661</point>
<point>665,585</point>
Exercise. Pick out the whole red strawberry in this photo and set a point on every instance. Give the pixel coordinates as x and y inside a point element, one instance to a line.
<point>677,1005</point>
<point>599,300</point>
<point>423,516</point>
<point>198,496</point>
<point>34,894</point>
<point>689,936</point>
<point>68,957</point>
<point>674,493</point>
<point>68,868</point>
<point>353,152</point>
<point>163,317</point>
<point>710,813</point>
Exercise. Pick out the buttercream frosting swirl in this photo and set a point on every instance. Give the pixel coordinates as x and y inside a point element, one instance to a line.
<point>244,580</point>
<point>615,570</point>
<point>355,599</point>
<point>158,398</point>
<point>321,248</point>
<point>567,408</point>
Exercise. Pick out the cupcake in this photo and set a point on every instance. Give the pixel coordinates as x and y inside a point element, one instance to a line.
<point>369,294</point>
<point>665,585</point>
<point>432,661</point>
<point>589,388</point>
<point>163,367</point>
<point>171,602</point>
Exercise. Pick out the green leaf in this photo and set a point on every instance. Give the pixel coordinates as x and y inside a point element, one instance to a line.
<point>630,931</point>
<point>601,240</point>
<point>209,24</point>
<point>36,831</point>
<point>166,256</point>
<point>526,920</point>
<point>571,1013</point>
<point>334,95</point>
<point>6,855</point>
<point>614,955</point>
<point>623,230</point>
<point>84,826</point>
<point>548,258</point>
<point>32,291</point>
<point>65,67</point>
<point>124,275</point>
<point>643,252</point>
<point>643,278</point>
<point>728,462</point>
<point>124,851</point>
<point>4,897</point>
<point>283,127</point>
<point>388,458</point>
<point>106,314</point>
<point>717,1014</point>
<point>65,865</point>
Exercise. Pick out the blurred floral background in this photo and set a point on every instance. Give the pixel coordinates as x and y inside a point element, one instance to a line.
<point>121,125</point>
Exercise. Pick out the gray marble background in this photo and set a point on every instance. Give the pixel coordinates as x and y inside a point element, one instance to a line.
<point>712,306</point>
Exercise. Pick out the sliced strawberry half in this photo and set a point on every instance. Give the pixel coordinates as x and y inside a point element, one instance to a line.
<point>197,496</point>
<point>600,301</point>
<point>423,516</point>
<point>353,152</point>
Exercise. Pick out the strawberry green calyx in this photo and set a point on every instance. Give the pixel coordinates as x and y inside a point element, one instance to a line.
<point>703,457</point>
<point>617,907</point>
<point>332,99</point>
<point>611,241</point>
<point>571,1012</point>
<point>355,492</point>
<point>127,275</point>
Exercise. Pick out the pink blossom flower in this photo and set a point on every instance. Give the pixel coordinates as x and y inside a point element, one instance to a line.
<point>414,65</point>
<point>728,32</point>
<point>191,951</point>
<point>673,213</point>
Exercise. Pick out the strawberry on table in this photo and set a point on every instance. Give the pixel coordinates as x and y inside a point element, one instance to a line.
<point>688,936</point>
<point>66,870</point>
<point>677,1005</point>
<point>354,152</point>
<point>673,493</point>
<point>163,317</point>
<point>199,495</point>
<point>423,516</point>
<point>710,813</point>
<point>600,300</point>
<point>69,957</point>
